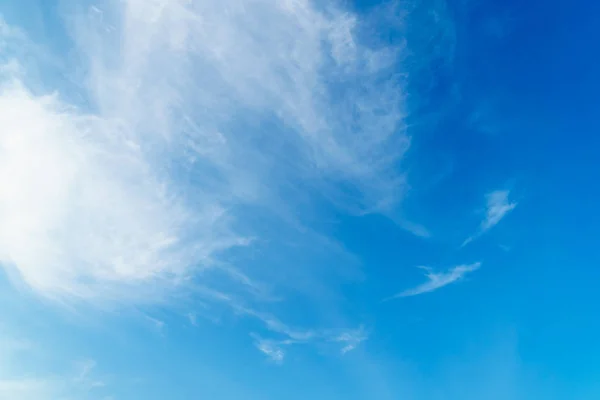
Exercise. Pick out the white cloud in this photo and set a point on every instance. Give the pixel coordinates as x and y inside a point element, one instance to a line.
<point>437,280</point>
<point>271,349</point>
<point>288,336</point>
<point>81,213</point>
<point>497,206</point>
<point>188,114</point>
<point>351,339</point>
<point>273,324</point>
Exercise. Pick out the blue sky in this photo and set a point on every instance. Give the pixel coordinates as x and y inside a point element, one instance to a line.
<point>248,199</point>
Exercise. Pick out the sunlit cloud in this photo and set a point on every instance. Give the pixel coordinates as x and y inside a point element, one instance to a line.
<point>189,117</point>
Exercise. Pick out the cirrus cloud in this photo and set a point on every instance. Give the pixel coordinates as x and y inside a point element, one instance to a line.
<point>187,118</point>
<point>437,280</point>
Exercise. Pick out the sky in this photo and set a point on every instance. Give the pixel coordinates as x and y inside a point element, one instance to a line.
<point>256,199</point>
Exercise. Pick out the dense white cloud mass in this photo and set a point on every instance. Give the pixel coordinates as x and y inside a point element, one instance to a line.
<point>184,113</point>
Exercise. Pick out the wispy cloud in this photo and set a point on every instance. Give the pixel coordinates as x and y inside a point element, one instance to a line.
<point>157,324</point>
<point>187,138</point>
<point>351,339</point>
<point>273,324</point>
<point>80,380</point>
<point>497,206</point>
<point>151,166</point>
<point>84,374</point>
<point>437,280</point>
<point>271,348</point>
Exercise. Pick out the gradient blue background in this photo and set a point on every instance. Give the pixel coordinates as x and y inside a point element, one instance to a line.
<point>515,106</point>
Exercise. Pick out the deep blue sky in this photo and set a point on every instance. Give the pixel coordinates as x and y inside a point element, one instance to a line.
<point>218,200</point>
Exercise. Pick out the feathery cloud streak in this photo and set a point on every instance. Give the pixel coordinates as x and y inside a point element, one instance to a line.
<point>273,348</point>
<point>437,280</point>
<point>497,206</point>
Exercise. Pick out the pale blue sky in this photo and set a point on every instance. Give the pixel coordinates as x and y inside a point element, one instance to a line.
<point>249,199</point>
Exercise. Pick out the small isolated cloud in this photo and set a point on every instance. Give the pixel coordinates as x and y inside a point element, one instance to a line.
<point>437,280</point>
<point>504,247</point>
<point>351,339</point>
<point>272,349</point>
<point>498,205</point>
